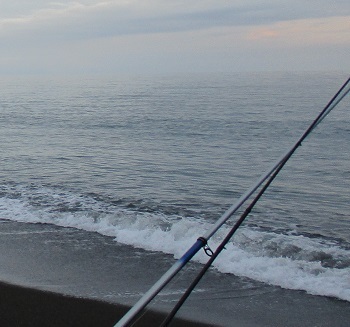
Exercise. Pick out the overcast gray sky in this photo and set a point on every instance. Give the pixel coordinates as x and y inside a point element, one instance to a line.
<point>162,36</point>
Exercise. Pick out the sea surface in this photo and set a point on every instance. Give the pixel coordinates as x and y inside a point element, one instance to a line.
<point>154,161</point>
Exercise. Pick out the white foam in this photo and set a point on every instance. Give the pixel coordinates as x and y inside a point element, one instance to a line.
<point>288,261</point>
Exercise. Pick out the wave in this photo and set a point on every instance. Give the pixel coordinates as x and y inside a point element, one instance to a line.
<point>312,263</point>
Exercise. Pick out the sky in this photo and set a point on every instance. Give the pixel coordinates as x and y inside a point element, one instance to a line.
<point>173,36</point>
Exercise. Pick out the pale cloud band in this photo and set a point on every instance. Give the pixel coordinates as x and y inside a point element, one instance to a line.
<point>111,18</point>
<point>160,28</point>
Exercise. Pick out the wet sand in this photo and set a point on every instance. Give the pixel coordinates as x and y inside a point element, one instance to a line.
<point>20,306</point>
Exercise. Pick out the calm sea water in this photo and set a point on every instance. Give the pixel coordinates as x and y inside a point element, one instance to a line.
<point>154,161</point>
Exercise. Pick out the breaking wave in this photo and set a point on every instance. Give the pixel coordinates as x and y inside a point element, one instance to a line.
<point>315,264</point>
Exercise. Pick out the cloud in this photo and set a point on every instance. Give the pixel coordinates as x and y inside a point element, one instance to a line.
<point>131,35</point>
<point>79,20</point>
<point>297,33</point>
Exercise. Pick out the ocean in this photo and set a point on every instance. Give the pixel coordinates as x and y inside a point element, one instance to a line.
<point>152,162</point>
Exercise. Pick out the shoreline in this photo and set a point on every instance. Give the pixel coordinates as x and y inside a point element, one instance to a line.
<point>24,306</point>
<point>55,276</point>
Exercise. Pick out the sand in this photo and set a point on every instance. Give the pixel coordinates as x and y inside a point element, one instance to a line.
<point>22,306</point>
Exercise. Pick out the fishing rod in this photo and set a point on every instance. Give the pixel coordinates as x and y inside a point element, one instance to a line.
<point>238,223</point>
<point>214,255</point>
<point>202,241</point>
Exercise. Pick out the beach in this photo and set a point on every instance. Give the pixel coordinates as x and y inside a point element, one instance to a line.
<point>41,287</point>
<point>20,306</point>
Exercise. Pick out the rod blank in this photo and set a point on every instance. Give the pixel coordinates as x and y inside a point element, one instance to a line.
<point>201,241</point>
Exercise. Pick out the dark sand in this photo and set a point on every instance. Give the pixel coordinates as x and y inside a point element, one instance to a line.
<point>20,306</point>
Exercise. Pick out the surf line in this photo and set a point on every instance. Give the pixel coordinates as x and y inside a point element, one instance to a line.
<point>202,241</point>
